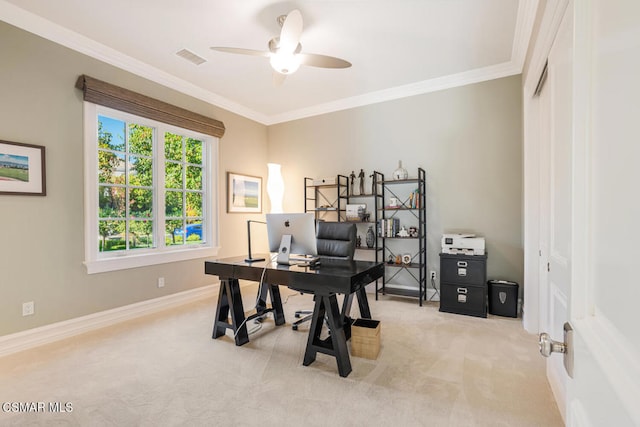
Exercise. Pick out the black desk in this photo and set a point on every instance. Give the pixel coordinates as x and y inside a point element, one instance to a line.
<point>332,277</point>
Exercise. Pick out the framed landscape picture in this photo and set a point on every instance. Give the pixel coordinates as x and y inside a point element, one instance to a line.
<point>22,169</point>
<point>244,193</point>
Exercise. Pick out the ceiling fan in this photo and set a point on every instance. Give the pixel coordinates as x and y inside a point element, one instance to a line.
<point>285,51</point>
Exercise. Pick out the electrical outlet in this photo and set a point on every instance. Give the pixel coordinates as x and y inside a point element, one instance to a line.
<point>161,282</point>
<point>433,275</point>
<point>28,308</point>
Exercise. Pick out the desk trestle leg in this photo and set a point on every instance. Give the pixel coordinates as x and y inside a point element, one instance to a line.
<point>363,305</point>
<point>336,344</point>
<point>229,299</point>
<point>276,303</point>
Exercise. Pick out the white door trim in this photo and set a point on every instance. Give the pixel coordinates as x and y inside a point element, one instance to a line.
<point>548,29</point>
<point>581,304</point>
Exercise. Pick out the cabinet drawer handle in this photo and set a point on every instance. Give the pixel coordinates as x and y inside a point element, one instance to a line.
<point>462,263</point>
<point>462,290</point>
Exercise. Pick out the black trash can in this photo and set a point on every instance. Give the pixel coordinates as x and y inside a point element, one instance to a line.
<point>503,298</point>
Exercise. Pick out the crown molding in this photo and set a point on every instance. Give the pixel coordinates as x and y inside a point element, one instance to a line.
<point>37,25</point>
<point>525,20</point>
<point>446,82</point>
<point>60,35</point>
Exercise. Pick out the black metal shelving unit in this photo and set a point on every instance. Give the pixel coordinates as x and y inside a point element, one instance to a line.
<point>327,200</point>
<point>411,196</point>
<point>375,197</point>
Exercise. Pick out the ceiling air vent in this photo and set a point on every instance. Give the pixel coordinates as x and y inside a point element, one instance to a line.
<point>190,56</point>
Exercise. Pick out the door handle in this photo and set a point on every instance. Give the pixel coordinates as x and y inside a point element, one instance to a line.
<point>549,346</point>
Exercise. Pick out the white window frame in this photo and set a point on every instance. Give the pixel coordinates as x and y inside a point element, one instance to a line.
<point>99,262</point>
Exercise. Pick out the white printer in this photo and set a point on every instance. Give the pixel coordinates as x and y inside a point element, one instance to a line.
<point>462,244</point>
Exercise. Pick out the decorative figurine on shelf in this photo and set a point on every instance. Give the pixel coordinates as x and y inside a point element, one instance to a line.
<point>406,259</point>
<point>391,259</point>
<point>413,231</point>
<point>398,259</point>
<point>400,173</point>
<point>361,176</point>
<point>403,232</point>
<point>358,241</point>
<point>373,183</point>
<point>353,179</point>
<point>370,237</point>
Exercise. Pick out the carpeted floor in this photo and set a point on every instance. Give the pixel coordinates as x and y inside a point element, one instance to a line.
<point>434,369</point>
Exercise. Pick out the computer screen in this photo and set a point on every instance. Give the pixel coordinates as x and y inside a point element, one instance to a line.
<point>291,233</point>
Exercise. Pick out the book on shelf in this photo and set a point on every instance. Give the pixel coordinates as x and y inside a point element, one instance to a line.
<point>388,227</point>
<point>414,199</point>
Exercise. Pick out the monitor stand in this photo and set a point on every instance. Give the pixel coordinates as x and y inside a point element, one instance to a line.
<point>284,254</point>
<point>285,249</point>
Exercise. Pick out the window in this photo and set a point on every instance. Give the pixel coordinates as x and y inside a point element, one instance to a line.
<point>149,191</point>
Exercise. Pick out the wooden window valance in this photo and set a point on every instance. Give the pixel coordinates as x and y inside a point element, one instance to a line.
<point>121,99</point>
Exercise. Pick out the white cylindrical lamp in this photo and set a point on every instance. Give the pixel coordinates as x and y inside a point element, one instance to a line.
<point>275,187</point>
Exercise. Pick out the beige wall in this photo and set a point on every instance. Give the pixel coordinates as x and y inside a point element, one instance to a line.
<point>468,139</point>
<point>41,238</point>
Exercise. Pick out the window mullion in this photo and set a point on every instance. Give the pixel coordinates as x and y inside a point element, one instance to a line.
<point>183,158</point>
<point>160,186</point>
<point>127,190</point>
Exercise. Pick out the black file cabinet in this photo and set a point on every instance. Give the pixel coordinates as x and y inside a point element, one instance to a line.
<point>463,284</point>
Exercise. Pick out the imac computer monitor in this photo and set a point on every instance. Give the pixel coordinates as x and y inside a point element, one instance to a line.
<point>292,233</point>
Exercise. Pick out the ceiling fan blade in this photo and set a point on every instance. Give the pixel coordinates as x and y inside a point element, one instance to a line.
<point>291,31</point>
<point>322,61</point>
<point>242,51</point>
<point>278,78</point>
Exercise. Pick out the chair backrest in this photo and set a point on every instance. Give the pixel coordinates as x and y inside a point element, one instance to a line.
<point>336,240</point>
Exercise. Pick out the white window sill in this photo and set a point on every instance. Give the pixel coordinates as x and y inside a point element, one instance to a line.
<point>123,262</point>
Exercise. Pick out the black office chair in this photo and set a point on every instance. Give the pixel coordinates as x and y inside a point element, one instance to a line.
<point>335,241</point>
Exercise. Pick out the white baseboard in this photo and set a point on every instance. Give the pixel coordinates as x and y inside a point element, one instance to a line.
<point>31,338</point>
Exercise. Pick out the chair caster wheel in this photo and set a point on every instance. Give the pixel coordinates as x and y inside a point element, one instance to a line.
<point>296,315</point>
<point>294,327</point>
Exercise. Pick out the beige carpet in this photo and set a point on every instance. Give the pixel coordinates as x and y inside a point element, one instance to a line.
<point>434,369</point>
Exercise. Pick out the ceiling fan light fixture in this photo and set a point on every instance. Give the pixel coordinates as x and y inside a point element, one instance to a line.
<point>285,63</point>
<point>285,50</point>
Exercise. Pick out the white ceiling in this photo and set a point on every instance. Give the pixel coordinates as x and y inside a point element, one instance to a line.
<point>398,48</point>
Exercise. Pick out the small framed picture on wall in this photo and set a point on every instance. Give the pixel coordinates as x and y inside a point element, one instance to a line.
<point>244,193</point>
<point>22,169</point>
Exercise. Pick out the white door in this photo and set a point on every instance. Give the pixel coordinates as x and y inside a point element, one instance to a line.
<point>604,304</point>
<point>590,112</point>
<point>556,109</point>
